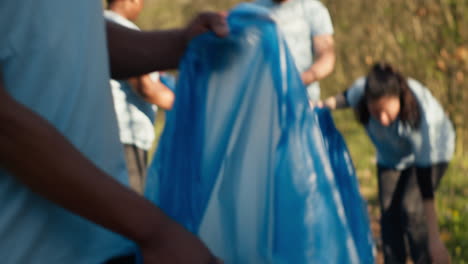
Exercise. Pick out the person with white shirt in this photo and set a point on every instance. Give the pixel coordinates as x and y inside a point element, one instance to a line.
<point>308,30</point>
<point>136,101</point>
<point>415,141</point>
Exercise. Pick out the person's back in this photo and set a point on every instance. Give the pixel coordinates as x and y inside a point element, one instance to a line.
<point>135,100</point>
<point>66,82</point>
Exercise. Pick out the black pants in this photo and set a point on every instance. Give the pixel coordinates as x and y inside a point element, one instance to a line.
<point>403,221</point>
<point>136,160</point>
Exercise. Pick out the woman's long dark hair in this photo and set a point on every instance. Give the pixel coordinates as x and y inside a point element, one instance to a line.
<point>384,80</point>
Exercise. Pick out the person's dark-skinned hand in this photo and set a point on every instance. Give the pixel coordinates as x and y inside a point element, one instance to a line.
<point>207,21</point>
<point>173,244</point>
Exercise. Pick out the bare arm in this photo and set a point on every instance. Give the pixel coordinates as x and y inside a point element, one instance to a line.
<point>437,249</point>
<point>113,205</point>
<point>134,53</point>
<point>334,102</point>
<point>324,62</point>
<point>153,91</point>
<point>431,216</point>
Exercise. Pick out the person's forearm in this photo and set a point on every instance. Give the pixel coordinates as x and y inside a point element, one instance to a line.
<point>134,53</point>
<point>334,102</point>
<point>155,92</point>
<point>426,188</point>
<point>437,249</point>
<point>321,68</point>
<point>431,216</point>
<point>41,158</point>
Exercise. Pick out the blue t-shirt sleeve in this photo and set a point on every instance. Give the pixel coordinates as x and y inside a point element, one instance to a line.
<point>318,18</point>
<point>354,94</point>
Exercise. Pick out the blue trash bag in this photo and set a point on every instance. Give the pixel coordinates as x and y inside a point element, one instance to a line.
<point>347,184</point>
<point>247,165</point>
<point>168,80</point>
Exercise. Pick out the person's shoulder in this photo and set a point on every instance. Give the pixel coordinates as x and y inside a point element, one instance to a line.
<point>415,84</point>
<point>116,18</point>
<point>359,82</point>
<point>419,90</point>
<point>313,5</point>
<point>110,15</point>
<point>432,110</point>
<point>355,92</point>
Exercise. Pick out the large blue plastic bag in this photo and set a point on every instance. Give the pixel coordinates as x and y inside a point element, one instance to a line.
<point>348,185</point>
<point>243,162</point>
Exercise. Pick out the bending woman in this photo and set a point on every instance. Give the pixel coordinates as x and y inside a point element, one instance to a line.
<point>414,140</point>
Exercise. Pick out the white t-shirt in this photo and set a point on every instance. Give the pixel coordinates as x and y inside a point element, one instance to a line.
<point>134,115</point>
<point>300,21</point>
<point>53,58</point>
<point>398,145</point>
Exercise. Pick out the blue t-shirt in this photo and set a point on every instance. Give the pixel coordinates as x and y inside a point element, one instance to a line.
<point>300,21</point>
<point>53,58</point>
<point>398,145</point>
<point>134,115</point>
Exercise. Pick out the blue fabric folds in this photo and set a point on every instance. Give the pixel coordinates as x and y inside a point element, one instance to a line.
<point>247,165</point>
